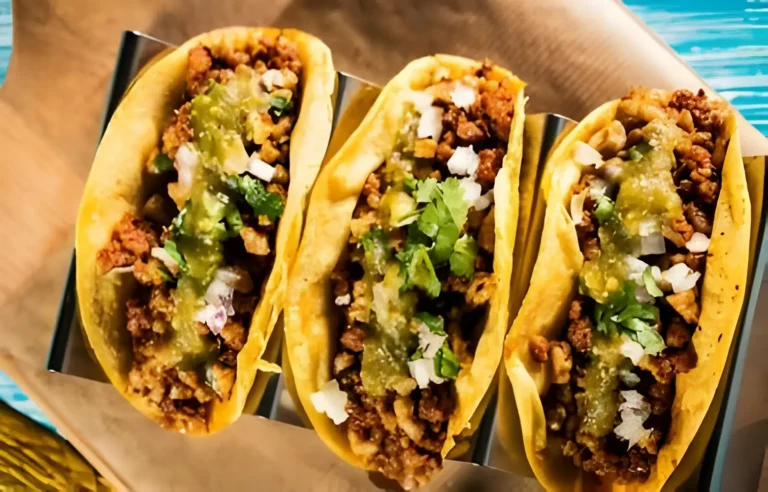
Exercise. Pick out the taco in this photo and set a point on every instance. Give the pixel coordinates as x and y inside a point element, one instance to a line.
<point>619,345</point>
<point>397,308</point>
<point>191,217</point>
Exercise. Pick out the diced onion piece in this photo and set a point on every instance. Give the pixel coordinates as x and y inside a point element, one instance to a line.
<point>631,350</point>
<point>599,187</point>
<point>239,280</point>
<point>162,255</point>
<point>586,155</point>
<point>634,412</point>
<point>421,100</point>
<point>343,300</point>
<point>430,123</point>
<point>331,401</point>
<point>484,201</point>
<point>429,342</point>
<point>218,294</point>
<point>642,295</point>
<point>423,371</point>
<point>698,243</point>
<point>271,78</point>
<point>611,172</point>
<point>186,162</point>
<point>635,265</point>
<point>123,269</point>
<point>472,190</point>
<point>464,161</point>
<point>260,169</point>
<point>648,227</point>
<point>681,278</point>
<point>652,244</point>
<point>635,401</point>
<point>577,207</point>
<point>463,96</point>
<point>213,316</point>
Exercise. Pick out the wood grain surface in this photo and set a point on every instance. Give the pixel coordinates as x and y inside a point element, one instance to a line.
<point>50,111</point>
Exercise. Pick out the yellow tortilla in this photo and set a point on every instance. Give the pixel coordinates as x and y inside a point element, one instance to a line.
<point>118,184</point>
<point>554,283</point>
<point>310,320</point>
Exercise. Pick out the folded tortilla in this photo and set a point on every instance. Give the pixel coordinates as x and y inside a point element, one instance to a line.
<point>555,282</point>
<point>118,184</point>
<point>310,314</point>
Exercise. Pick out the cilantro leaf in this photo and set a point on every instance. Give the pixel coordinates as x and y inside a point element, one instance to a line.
<point>163,163</point>
<point>279,105</point>
<point>636,325</point>
<point>446,363</point>
<point>444,242</point>
<point>234,220</point>
<point>173,250</point>
<point>177,224</point>
<point>429,221</point>
<point>604,209</point>
<point>651,341</point>
<point>639,311</point>
<point>463,257</point>
<point>410,182</point>
<point>425,190</point>
<point>418,270</point>
<point>434,323</point>
<point>650,283</point>
<point>165,275</point>
<point>262,201</point>
<point>453,196</point>
<point>637,152</point>
<point>417,355</point>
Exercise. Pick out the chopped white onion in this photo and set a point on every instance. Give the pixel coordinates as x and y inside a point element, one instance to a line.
<point>642,295</point>
<point>220,293</point>
<point>586,155</point>
<point>577,207</point>
<point>429,342</point>
<point>186,162</point>
<point>260,169</point>
<point>648,227</point>
<point>430,123</point>
<point>343,300</point>
<point>698,243</point>
<point>472,190</point>
<point>423,371</point>
<point>421,100</point>
<point>331,401</point>
<point>213,316</point>
<point>681,278</point>
<point>123,269</point>
<point>634,412</point>
<point>239,280</point>
<point>652,244</point>
<point>611,172</point>
<point>599,187</point>
<point>463,96</point>
<point>162,255</point>
<point>484,201</point>
<point>271,78</point>
<point>631,350</point>
<point>464,161</point>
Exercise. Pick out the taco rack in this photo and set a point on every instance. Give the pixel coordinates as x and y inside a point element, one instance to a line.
<point>70,354</point>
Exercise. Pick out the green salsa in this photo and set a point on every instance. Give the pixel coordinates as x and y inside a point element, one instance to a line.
<point>600,399</point>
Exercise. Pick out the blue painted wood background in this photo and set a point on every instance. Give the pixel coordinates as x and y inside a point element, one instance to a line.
<point>724,41</point>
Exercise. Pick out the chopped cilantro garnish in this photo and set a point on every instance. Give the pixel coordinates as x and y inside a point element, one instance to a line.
<point>280,105</point>
<point>177,224</point>
<point>172,249</point>
<point>446,363</point>
<point>417,355</point>
<point>234,220</point>
<point>434,323</point>
<point>165,275</point>
<point>463,257</point>
<point>453,196</point>
<point>163,163</point>
<point>262,201</point>
<point>650,283</point>
<point>425,190</point>
<point>637,152</point>
<point>604,209</point>
<point>410,182</point>
<point>418,270</point>
<point>624,314</point>
<point>444,242</point>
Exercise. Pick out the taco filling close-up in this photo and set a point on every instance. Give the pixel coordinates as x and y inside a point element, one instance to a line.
<point>202,243</point>
<point>643,210</point>
<point>414,283</point>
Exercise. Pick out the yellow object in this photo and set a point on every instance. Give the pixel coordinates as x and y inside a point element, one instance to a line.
<point>554,282</point>
<point>117,185</point>
<point>34,458</point>
<point>310,324</point>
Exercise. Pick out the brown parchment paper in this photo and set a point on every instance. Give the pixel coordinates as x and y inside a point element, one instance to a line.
<point>574,55</point>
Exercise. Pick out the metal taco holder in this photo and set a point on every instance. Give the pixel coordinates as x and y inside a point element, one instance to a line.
<point>69,352</point>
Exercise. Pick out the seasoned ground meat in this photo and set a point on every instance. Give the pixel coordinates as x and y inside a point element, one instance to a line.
<point>353,339</point>
<point>539,346</point>
<point>699,154</point>
<point>491,161</point>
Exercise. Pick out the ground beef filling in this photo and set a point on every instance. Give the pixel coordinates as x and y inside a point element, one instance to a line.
<point>699,160</point>
<point>183,396</point>
<point>403,435</point>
